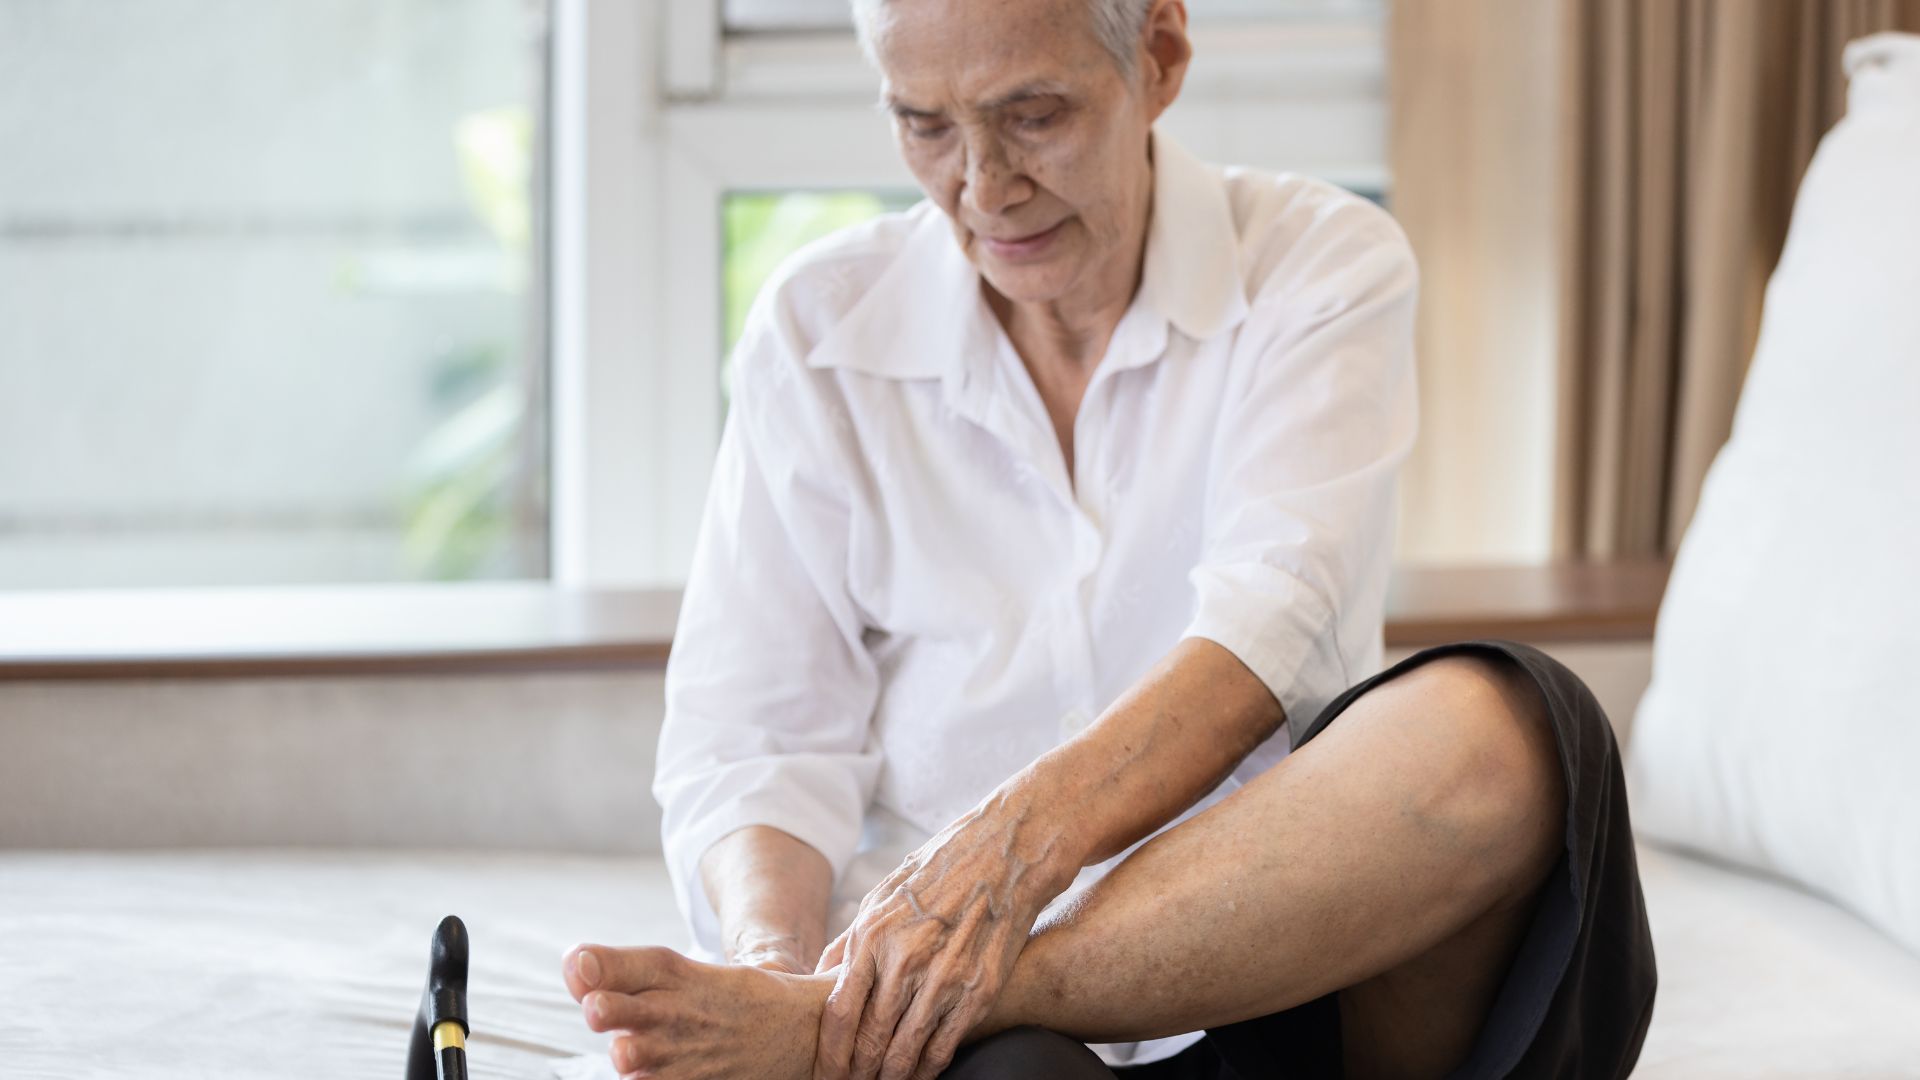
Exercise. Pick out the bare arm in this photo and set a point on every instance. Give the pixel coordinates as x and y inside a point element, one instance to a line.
<point>934,942</point>
<point>1168,741</point>
<point>770,892</point>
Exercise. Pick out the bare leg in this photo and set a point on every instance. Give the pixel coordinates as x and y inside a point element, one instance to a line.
<point>1393,857</point>
<point>1396,854</point>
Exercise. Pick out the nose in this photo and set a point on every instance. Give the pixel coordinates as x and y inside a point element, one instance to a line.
<point>994,181</point>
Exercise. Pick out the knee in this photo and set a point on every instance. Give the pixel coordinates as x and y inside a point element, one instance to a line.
<point>1026,1053</point>
<point>1507,780</point>
<point>1500,721</point>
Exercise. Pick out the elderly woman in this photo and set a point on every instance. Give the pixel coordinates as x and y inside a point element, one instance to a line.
<point>1053,516</point>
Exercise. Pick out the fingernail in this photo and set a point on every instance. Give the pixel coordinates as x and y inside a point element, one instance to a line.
<point>593,1003</point>
<point>587,967</point>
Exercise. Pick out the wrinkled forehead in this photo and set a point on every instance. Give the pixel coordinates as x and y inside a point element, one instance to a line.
<point>978,52</point>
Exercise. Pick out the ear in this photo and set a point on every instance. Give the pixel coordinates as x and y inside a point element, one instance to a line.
<point>1165,54</point>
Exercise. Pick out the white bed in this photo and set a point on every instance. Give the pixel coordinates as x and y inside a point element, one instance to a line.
<point>262,963</point>
<point>296,963</point>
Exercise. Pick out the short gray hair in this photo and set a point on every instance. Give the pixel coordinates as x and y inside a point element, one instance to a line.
<point>1117,23</point>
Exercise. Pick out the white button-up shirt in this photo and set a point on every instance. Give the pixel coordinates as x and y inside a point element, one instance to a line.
<point>901,597</point>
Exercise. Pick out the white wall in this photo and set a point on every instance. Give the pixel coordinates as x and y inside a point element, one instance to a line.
<point>542,762</point>
<point>1485,219</point>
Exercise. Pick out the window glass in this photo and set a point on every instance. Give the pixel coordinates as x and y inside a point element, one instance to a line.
<point>268,284</point>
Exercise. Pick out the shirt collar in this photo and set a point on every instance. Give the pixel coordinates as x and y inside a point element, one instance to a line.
<point>1193,274</point>
<point>925,316</point>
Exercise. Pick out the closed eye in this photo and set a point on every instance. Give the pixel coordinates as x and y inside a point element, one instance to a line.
<point>919,123</point>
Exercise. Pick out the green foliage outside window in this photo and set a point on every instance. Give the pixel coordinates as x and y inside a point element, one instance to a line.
<point>467,480</point>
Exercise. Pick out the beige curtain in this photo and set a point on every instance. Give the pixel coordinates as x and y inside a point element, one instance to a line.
<point>1689,124</point>
<point>1598,191</point>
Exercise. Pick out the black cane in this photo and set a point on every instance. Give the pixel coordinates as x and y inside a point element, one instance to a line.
<point>439,1047</point>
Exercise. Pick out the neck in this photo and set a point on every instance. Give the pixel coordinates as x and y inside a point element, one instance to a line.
<point>1059,333</point>
<point>1072,331</point>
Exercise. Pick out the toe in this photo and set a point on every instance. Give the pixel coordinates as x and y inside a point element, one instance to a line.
<point>630,971</point>
<point>582,970</point>
<point>607,1011</point>
<point>626,1056</point>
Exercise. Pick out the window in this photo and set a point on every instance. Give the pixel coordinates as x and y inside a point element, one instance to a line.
<point>278,281</point>
<point>271,282</point>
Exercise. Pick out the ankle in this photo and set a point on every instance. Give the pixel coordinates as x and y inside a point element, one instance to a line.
<point>1022,1000</point>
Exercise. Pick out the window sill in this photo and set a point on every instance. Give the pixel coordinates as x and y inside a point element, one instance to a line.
<point>333,630</point>
<point>533,627</point>
<point>1616,601</point>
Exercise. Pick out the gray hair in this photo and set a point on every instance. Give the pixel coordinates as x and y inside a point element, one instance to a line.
<point>1117,23</point>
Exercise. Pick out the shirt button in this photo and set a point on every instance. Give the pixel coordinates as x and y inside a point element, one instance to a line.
<point>1073,723</point>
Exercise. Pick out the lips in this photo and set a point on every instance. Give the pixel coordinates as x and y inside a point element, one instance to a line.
<point>1022,239</point>
<point>1020,247</point>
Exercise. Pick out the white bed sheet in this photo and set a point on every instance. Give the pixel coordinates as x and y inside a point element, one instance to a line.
<point>263,964</point>
<point>260,964</point>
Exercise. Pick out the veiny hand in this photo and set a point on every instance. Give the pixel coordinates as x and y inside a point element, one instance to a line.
<point>934,943</point>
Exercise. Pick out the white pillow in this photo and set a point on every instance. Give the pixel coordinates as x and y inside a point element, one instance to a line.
<point>1782,726</point>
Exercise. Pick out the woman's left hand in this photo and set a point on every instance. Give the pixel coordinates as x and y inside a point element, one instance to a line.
<point>934,943</point>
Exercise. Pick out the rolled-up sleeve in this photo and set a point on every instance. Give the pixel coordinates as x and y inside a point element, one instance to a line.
<point>770,690</point>
<point>1300,512</point>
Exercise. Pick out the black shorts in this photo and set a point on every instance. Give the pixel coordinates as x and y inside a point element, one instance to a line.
<point>1579,995</point>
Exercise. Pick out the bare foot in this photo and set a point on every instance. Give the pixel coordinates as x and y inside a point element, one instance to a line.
<point>680,1019</point>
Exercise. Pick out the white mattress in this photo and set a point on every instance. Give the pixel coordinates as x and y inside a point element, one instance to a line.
<point>266,964</point>
<point>256,964</point>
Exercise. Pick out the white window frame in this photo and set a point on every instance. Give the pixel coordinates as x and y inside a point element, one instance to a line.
<point>658,114</point>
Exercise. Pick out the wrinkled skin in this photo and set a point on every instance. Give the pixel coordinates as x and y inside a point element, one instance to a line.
<point>934,943</point>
